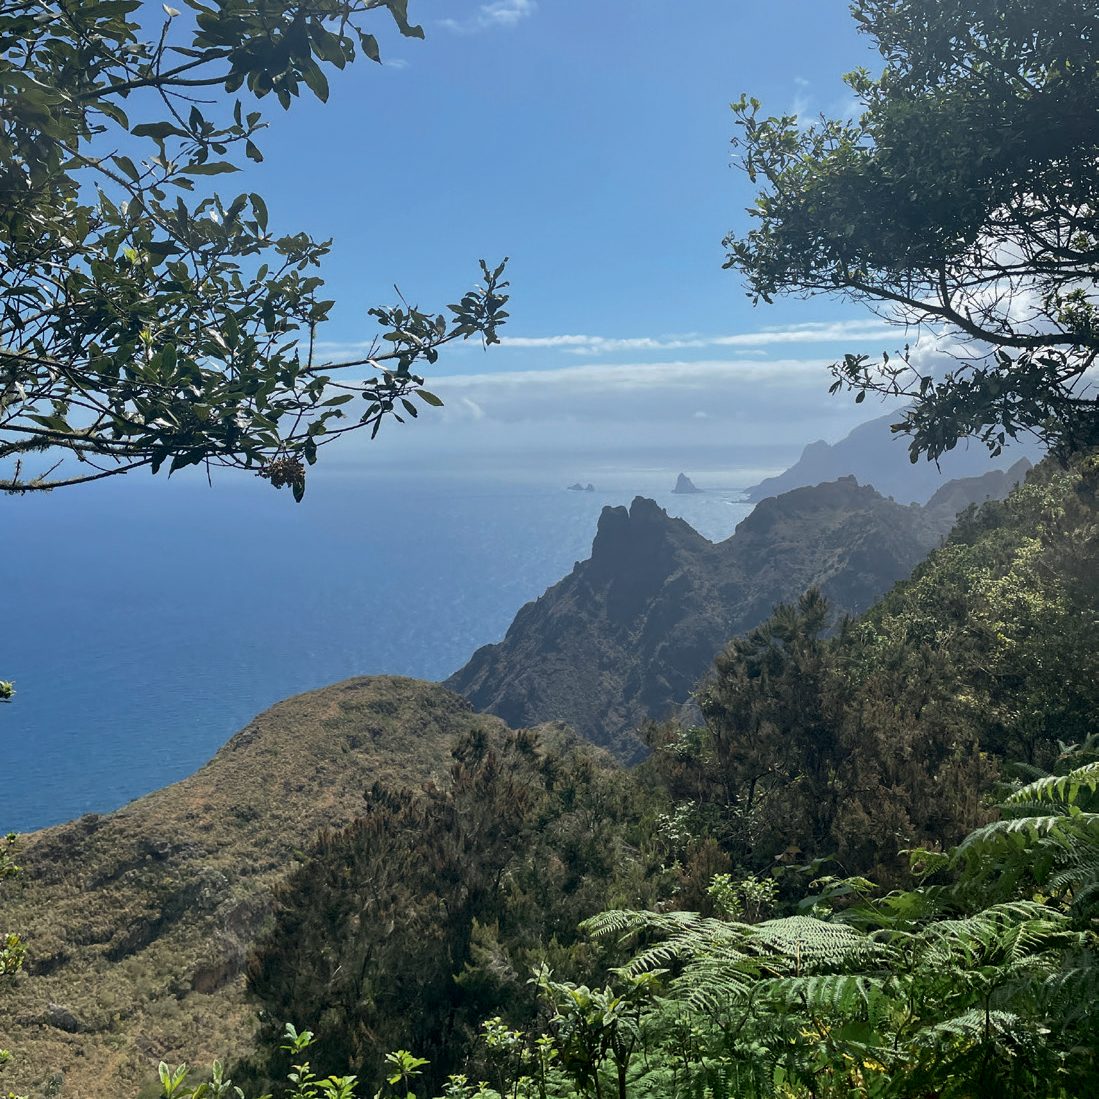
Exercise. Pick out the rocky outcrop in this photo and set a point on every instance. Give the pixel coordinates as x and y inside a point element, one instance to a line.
<point>956,496</point>
<point>684,486</point>
<point>626,636</point>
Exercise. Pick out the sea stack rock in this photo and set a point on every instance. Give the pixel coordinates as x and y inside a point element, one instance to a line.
<point>685,486</point>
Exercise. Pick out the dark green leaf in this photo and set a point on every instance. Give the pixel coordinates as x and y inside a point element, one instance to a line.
<point>213,168</point>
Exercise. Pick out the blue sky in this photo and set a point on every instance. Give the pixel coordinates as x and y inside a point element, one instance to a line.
<point>589,141</point>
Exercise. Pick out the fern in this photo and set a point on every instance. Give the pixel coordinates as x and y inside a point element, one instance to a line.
<point>839,994</point>
<point>1015,832</point>
<point>812,945</point>
<point>1065,789</point>
<point>970,1026</point>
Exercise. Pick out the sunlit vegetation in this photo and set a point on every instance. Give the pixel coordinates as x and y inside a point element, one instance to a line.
<point>869,870</point>
<point>981,981</point>
<point>842,906</point>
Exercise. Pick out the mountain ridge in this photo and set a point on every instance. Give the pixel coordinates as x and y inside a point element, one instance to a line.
<point>627,635</point>
<point>873,453</point>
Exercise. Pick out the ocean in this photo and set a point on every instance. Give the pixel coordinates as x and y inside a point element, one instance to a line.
<point>144,622</point>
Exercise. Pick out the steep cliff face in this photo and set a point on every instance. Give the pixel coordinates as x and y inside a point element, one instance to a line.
<point>649,579</point>
<point>875,455</point>
<point>628,634</point>
<point>138,922</point>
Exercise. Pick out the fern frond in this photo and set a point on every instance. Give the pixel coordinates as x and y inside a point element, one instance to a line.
<point>684,949</point>
<point>1031,807</point>
<point>1014,832</point>
<point>814,945</point>
<point>999,935</point>
<point>969,1027</point>
<point>715,985</point>
<point>1061,788</point>
<point>844,994</point>
<point>1073,992</point>
<point>624,921</point>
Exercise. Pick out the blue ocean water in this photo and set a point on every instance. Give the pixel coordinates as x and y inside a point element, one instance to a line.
<point>145,622</point>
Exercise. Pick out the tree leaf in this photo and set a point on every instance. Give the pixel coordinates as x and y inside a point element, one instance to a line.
<point>211,168</point>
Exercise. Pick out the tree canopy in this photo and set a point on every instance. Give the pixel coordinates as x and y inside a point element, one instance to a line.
<point>145,319</point>
<point>964,194</point>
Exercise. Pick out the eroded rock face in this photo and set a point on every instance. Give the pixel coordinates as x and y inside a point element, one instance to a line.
<point>61,1018</point>
<point>629,633</point>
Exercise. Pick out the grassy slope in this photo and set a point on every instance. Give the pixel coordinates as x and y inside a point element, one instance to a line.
<point>138,921</point>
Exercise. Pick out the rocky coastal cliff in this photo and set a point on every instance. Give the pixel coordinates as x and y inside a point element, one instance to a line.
<point>626,636</point>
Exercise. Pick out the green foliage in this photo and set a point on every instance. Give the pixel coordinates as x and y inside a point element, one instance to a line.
<point>1000,621</point>
<point>798,761</point>
<point>12,948</point>
<point>409,927</point>
<point>914,996</point>
<point>889,734</point>
<point>963,194</point>
<point>140,326</point>
<point>1046,844</point>
<point>596,1029</point>
<point>746,899</point>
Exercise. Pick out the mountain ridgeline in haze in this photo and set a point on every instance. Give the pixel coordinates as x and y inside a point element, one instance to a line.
<point>875,455</point>
<point>626,636</point>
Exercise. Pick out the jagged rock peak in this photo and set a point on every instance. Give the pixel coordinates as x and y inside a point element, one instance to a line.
<point>627,635</point>
<point>611,521</point>
<point>685,485</point>
<point>645,510</point>
<point>638,530</point>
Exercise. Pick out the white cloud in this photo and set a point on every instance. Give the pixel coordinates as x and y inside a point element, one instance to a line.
<point>682,376</point>
<point>496,13</point>
<point>690,413</point>
<point>506,13</point>
<point>746,343</point>
<point>797,333</point>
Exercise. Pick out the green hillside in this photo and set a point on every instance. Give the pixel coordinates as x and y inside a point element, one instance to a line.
<point>770,953</point>
<point>138,922</point>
